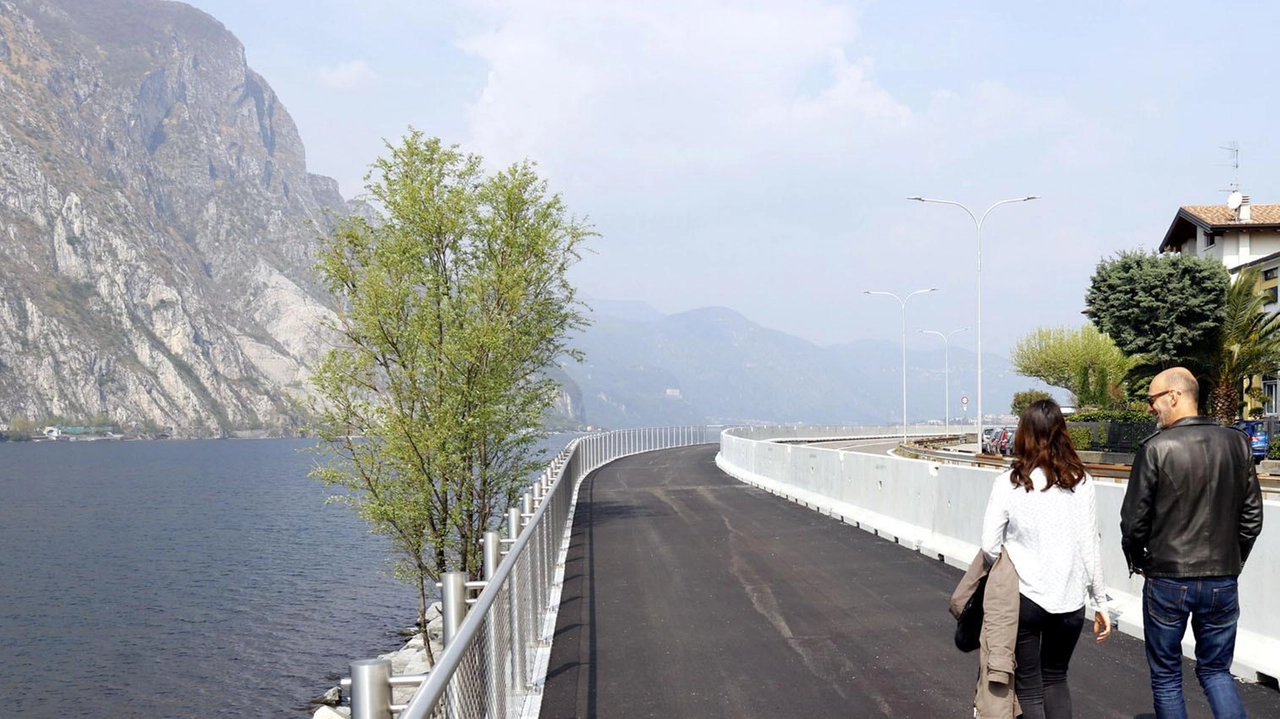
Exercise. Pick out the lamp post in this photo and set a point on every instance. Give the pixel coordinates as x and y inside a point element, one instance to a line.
<point>978,224</point>
<point>903,303</point>
<point>946,392</point>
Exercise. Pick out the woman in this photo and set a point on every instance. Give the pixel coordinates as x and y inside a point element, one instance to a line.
<point>1042,513</point>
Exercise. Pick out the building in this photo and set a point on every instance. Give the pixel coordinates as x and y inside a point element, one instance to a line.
<point>1238,234</point>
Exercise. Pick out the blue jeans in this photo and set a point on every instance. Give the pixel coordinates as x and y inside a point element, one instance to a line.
<point>1214,607</point>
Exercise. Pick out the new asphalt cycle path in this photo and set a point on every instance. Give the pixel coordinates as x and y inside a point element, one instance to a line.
<point>690,594</point>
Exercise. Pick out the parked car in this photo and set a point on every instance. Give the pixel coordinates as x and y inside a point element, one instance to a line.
<point>993,443</point>
<point>1259,441</point>
<point>1000,440</point>
<point>1006,442</point>
<point>987,435</point>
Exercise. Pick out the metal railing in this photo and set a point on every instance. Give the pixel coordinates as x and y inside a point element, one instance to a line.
<point>496,650</point>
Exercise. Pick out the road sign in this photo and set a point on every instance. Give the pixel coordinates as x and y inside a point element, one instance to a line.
<point>964,399</point>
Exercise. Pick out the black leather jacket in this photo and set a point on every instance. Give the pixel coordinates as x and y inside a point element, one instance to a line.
<point>1193,507</point>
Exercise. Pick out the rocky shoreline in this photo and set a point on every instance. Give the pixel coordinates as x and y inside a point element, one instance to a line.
<point>410,659</point>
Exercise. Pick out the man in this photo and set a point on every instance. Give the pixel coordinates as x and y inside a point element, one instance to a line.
<point>1191,514</point>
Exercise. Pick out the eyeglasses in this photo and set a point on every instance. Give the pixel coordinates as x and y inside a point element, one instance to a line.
<point>1151,398</point>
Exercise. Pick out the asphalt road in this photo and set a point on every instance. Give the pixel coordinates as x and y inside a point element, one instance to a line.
<point>690,594</point>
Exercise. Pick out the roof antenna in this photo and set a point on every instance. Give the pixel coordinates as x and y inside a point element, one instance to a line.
<point>1233,148</point>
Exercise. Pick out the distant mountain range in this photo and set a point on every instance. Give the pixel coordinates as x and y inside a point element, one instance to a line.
<point>713,365</point>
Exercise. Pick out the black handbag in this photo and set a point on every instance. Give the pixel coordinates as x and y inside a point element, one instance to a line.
<point>969,625</point>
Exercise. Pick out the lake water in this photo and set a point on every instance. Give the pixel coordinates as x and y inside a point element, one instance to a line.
<point>182,579</point>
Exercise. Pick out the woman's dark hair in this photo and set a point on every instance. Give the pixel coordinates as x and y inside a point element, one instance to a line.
<point>1042,442</point>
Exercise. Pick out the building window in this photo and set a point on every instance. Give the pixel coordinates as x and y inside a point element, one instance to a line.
<point>1270,386</point>
<point>1270,294</point>
<point>1210,240</point>
<point>1270,274</point>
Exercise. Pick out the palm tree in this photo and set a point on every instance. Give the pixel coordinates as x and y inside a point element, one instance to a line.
<point>1249,344</point>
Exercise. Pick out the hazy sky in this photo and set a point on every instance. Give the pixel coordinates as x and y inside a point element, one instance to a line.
<point>756,154</point>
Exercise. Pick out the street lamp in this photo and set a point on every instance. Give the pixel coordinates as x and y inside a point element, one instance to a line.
<point>977,223</point>
<point>946,396</point>
<point>903,303</point>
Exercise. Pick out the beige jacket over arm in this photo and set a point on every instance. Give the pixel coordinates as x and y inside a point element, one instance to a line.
<point>994,698</point>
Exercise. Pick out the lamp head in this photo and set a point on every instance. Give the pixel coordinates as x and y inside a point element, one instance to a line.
<point>1030,197</point>
<point>917,198</point>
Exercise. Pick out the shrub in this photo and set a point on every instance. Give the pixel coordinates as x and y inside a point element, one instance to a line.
<point>1081,437</point>
<point>1273,449</point>
<point>1130,416</point>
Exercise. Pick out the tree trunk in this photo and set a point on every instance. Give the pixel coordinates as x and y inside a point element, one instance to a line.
<point>1225,399</point>
<point>422,617</point>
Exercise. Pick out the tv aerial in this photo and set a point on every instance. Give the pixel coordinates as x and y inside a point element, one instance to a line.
<point>1233,148</point>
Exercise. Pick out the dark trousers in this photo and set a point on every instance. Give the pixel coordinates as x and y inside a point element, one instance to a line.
<point>1045,644</point>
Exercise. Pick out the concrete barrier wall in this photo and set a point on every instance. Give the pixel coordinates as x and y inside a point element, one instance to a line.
<point>937,510</point>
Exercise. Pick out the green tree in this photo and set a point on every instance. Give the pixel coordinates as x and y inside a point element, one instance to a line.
<point>1161,309</point>
<point>22,428</point>
<point>1023,399</point>
<point>1249,344</point>
<point>450,306</point>
<point>1082,361</point>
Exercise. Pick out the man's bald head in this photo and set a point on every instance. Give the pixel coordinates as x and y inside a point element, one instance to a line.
<point>1174,394</point>
<point>1179,378</point>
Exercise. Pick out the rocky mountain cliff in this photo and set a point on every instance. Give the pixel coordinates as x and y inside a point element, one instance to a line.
<point>157,222</point>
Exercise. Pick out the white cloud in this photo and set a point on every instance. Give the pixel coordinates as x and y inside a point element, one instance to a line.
<point>348,75</point>
<point>661,93</point>
<point>668,85</point>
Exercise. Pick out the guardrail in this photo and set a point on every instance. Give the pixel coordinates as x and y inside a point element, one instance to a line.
<point>934,452</point>
<point>937,510</point>
<point>496,652</point>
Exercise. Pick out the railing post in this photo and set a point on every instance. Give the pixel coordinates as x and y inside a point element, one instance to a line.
<point>536,588</point>
<point>371,689</point>
<point>493,658</point>
<point>550,537</point>
<point>514,597</point>
<point>453,609</point>
<point>492,554</point>
<point>453,603</point>
<point>513,524</point>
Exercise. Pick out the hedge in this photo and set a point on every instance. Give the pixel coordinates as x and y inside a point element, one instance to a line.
<point>1130,416</point>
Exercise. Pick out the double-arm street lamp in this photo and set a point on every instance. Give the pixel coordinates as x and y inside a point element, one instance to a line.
<point>946,393</point>
<point>978,223</point>
<point>903,303</point>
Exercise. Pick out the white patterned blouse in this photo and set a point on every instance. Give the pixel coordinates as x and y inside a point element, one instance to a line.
<point>1052,538</point>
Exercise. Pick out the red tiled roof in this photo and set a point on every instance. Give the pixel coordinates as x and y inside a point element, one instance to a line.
<point>1221,215</point>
